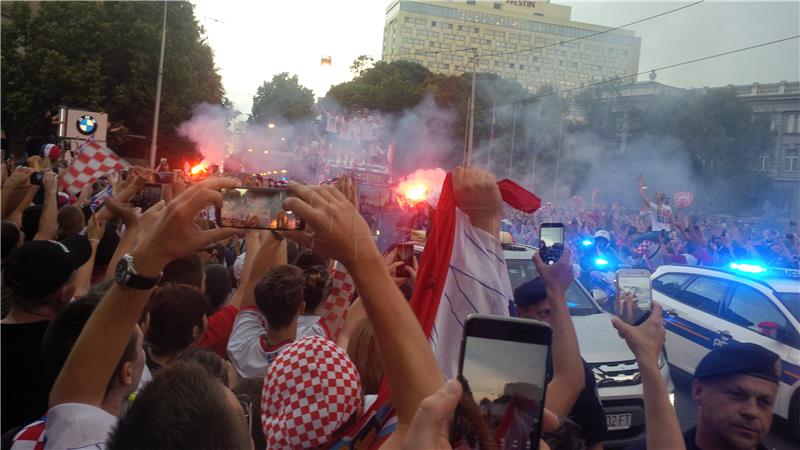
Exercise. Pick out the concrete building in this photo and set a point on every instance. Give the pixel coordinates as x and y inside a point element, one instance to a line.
<point>514,39</point>
<point>781,101</point>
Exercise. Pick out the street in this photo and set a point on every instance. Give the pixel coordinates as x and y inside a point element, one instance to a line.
<point>779,437</point>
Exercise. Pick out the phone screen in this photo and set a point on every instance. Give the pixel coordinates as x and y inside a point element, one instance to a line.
<point>165,177</point>
<point>552,235</point>
<point>151,194</point>
<point>504,389</point>
<point>259,208</point>
<point>635,296</point>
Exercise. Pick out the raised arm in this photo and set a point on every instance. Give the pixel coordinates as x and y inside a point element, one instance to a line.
<point>15,190</point>
<point>271,252</point>
<point>48,222</point>
<point>643,192</point>
<point>339,232</point>
<point>140,177</point>
<point>83,280</point>
<point>646,342</point>
<point>477,194</point>
<point>568,374</point>
<point>97,351</point>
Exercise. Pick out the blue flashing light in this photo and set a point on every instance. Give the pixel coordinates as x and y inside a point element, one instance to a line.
<point>748,267</point>
<point>586,242</point>
<point>600,262</point>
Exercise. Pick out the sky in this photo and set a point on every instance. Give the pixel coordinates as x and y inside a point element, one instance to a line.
<point>256,39</point>
<point>490,364</point>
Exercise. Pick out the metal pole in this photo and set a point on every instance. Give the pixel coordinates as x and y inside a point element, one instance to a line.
<point>154,141</point>
<point>513,133</point>
<point>470,125</point>
<point>558,156</point>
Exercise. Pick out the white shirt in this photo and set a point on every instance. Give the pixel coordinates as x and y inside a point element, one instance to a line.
<point>78,426</point>
<point>660,218</point>
<point>248,349</point>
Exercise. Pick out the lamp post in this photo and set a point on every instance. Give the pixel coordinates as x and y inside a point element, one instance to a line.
<point>471,112</point>
<point>154,141</point>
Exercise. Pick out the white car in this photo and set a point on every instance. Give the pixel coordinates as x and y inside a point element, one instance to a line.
<point>614,366</point>
<point>705,308</point>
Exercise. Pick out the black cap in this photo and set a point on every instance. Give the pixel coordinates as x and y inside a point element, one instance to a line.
<point>740,359</point>
<point>530,293</point>
<point>39,268</point>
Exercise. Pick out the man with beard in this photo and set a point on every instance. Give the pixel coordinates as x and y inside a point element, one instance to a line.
<point>735,387</point>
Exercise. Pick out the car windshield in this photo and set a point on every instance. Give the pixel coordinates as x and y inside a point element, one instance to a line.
<point>791,301</point>
<point>522,270</point>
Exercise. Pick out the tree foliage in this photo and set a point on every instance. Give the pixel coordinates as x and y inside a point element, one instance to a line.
<point>103,56</point>
<point>282,99</point>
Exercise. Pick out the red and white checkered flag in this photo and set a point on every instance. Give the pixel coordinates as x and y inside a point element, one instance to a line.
<point>334,310</point>
<point>93,161</point>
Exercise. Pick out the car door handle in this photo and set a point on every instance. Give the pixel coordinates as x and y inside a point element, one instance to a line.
<point>670,313</point>
<point>724,333</point>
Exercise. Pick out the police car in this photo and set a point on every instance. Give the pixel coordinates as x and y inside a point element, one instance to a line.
<point>706,307</point>
<point>615,370</point>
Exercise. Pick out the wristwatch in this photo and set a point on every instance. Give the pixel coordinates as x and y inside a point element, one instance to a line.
<point>125,274</point>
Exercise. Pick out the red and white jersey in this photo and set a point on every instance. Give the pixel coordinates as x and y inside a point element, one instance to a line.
<point>78,426</point>
<point>31,437</point>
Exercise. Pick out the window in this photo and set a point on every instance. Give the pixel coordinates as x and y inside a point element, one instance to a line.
<point>704,293</point>
<point>522,67</point>
<point>751,309</point>
<point>793,122</point>
<point>433,23</point>
<point>790,159</point>
<point>670,283</point>
<point>471,2</point>
<point>496,5</point>
<point>763,162</point>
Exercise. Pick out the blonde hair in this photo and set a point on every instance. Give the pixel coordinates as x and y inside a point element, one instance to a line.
<point>363,351</point>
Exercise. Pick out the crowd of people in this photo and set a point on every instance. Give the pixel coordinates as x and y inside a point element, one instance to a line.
<point>150,328</point>
<point>657,234</point>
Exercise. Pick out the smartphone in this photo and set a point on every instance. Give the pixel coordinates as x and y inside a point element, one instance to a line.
<point>551,237</point>
<point>36,178</point>
<point>503,370</point>
<point>405,254</point>
<point>258,208</point>
<point>635,284</point>
<point>164,177</point>
<point>151,194</point>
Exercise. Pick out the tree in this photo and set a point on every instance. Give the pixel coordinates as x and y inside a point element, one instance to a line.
<point>104,56</point>
<point>361,64</point>
<point>282,99</point>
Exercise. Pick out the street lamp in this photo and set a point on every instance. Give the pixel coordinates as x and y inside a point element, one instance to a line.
<point>271,125</point>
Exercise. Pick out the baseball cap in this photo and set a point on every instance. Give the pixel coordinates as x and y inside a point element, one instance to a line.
<point>740,358</point>
<point>39,268</point>
<point>603,234</point>
<point>530,293</point>
<point>311,390</point>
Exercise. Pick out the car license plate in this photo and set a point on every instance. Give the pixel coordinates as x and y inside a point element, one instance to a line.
<point>618,421</point>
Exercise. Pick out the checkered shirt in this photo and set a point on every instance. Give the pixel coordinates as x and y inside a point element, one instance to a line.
<point>311,390</point>
<point>93,161</point>
<point>31,437</point>
<point>334,309</point>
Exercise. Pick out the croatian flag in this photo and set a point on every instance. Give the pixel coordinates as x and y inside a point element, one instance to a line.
<point>462,272</point>
<point>93,161</point>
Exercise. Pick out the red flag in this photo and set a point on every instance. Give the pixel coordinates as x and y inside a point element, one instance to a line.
<point>518,197</point>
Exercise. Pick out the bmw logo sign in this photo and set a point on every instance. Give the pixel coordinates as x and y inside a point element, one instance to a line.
<point>87,125</point>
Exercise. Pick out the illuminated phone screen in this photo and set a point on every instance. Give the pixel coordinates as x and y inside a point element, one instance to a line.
<point>552,235</point>
<point>504,385</point>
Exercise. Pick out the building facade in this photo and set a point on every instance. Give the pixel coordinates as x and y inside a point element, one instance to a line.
<point>781,101</point>
<point>518,40</point>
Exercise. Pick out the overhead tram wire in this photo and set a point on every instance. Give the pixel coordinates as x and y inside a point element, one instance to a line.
<point>529,49</point>
<point>622,77</point>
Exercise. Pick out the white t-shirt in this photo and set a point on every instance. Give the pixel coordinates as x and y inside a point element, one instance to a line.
<point>78,426</point>
<point>248,349</point>
<point>660,218</point>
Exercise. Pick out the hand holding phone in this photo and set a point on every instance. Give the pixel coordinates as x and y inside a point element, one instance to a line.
<point>551,236</point>
<point>503,371</point>
<point>37,178</point>
<point>404,254</point>
<point>634,295</point>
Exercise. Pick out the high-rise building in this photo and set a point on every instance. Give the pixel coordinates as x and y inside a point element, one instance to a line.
<point>515,39</point>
